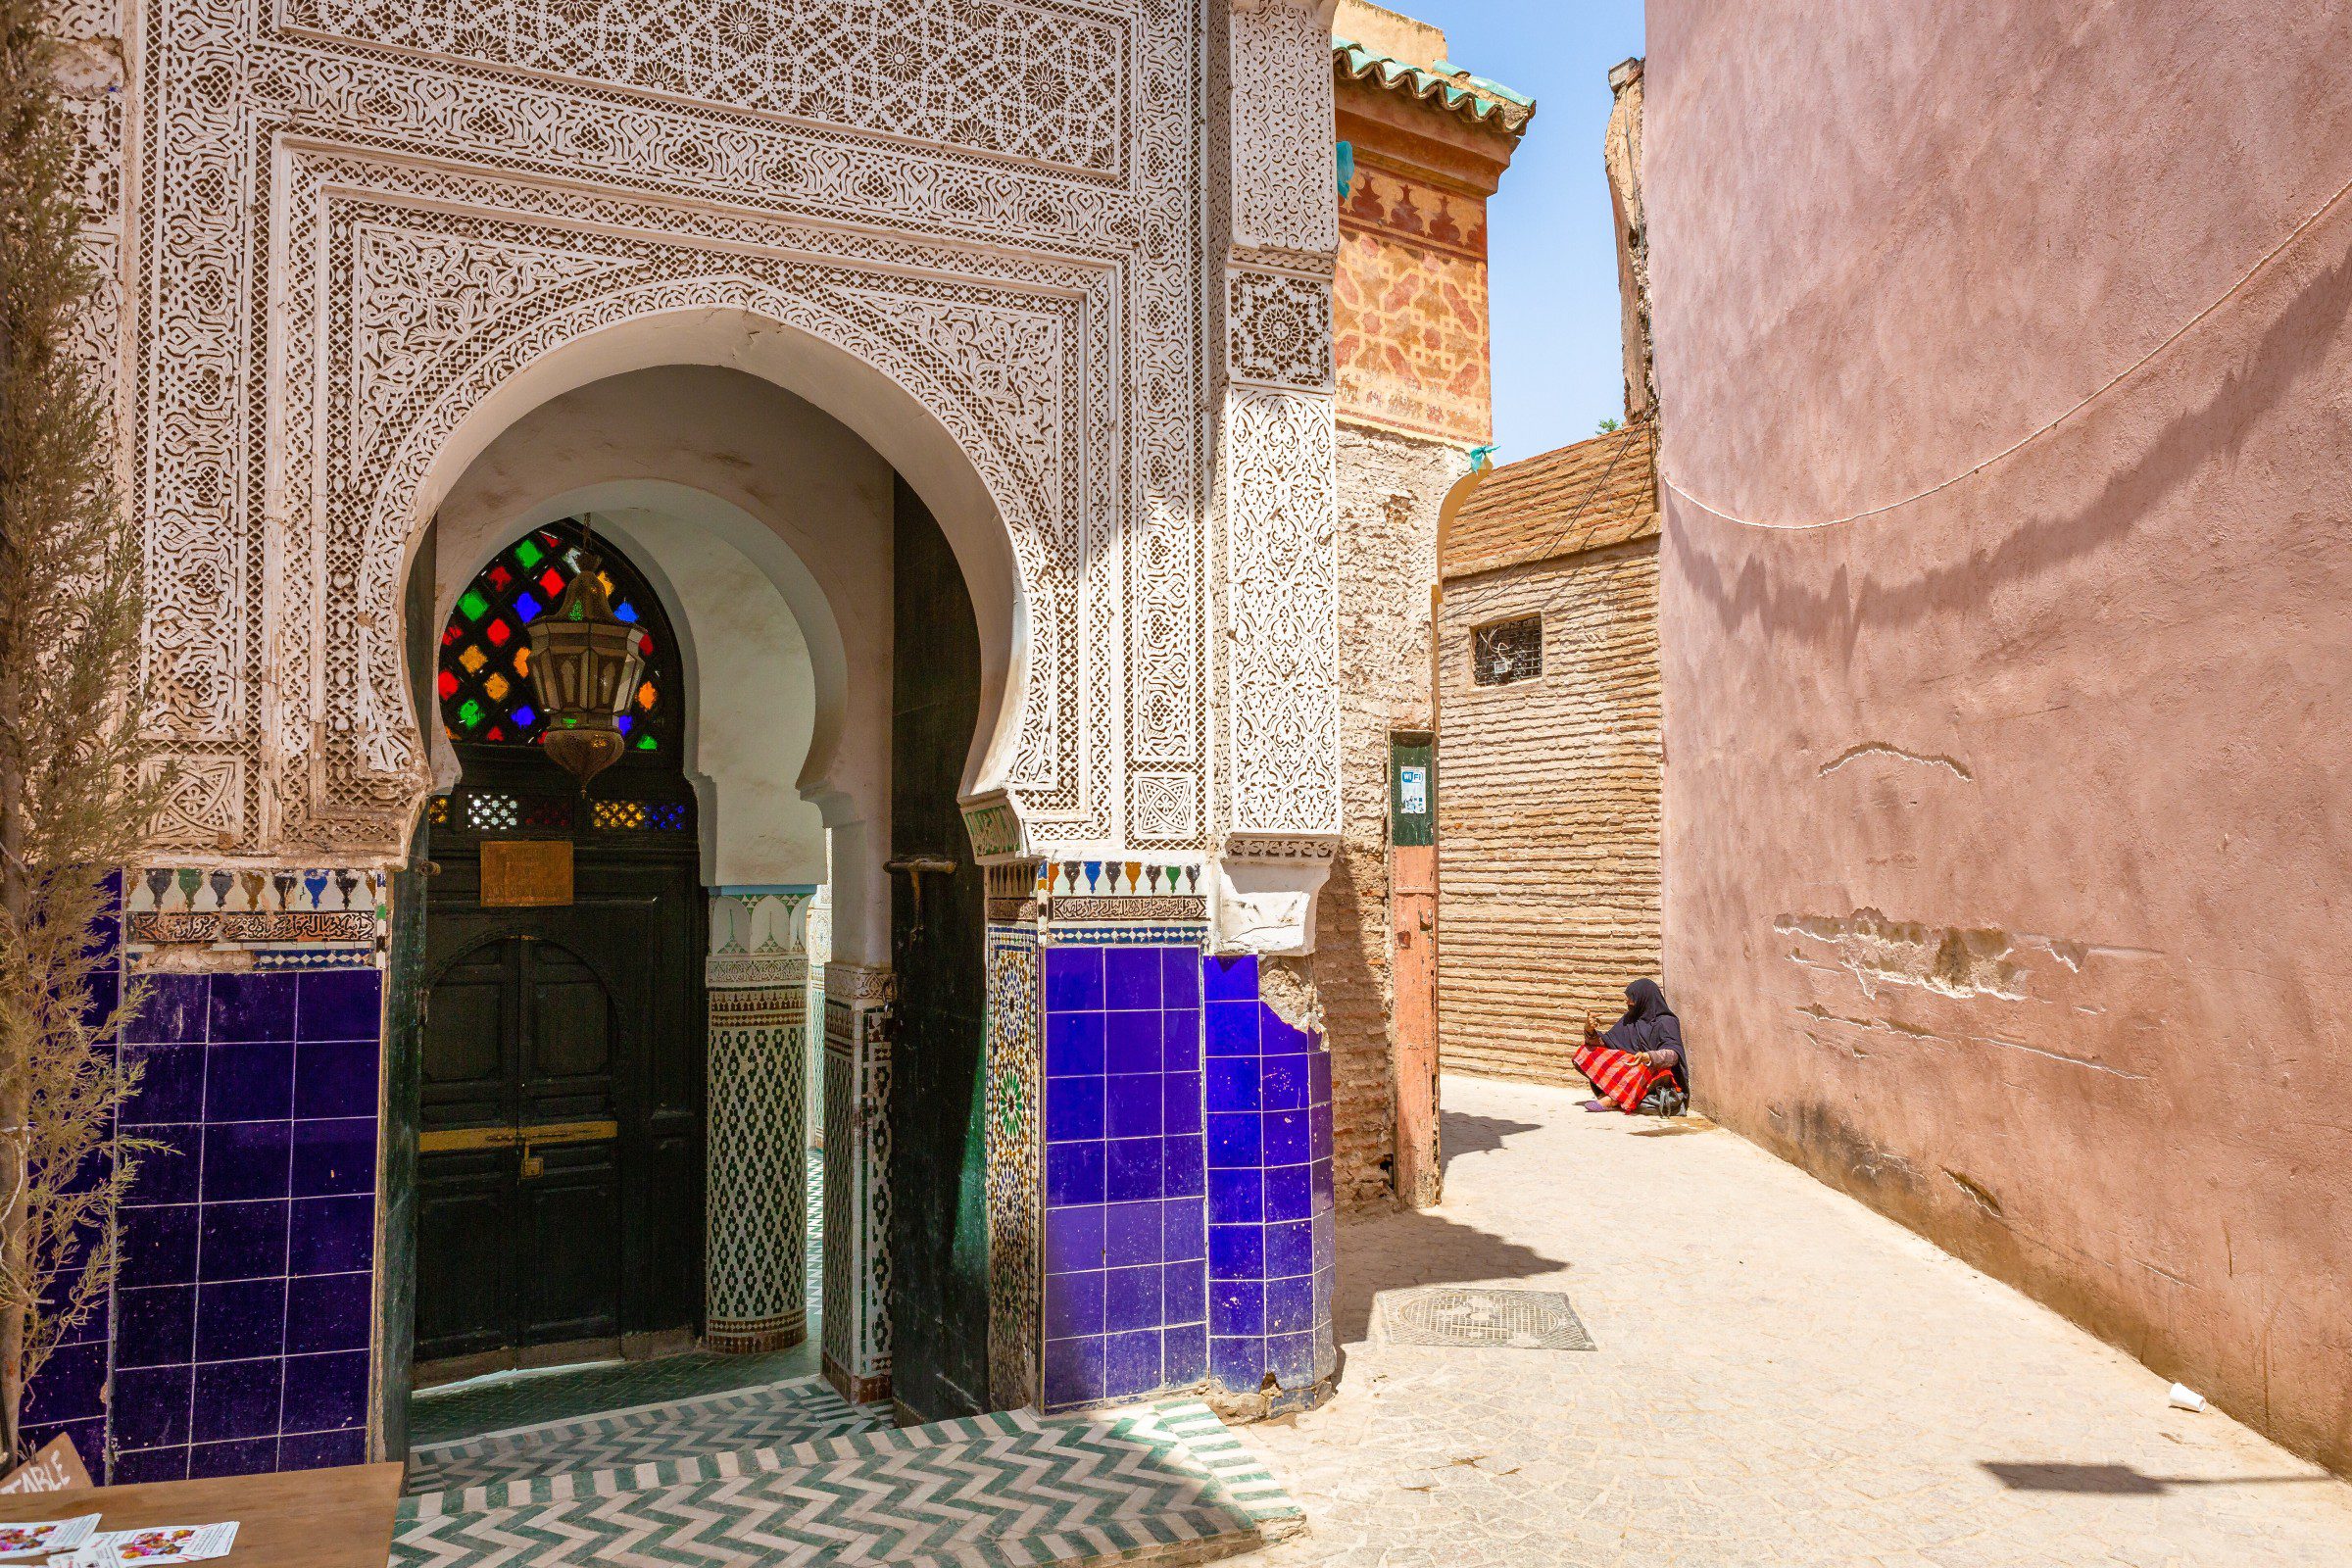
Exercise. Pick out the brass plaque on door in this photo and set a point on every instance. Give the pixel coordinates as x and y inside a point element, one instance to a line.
<point>526,873</point>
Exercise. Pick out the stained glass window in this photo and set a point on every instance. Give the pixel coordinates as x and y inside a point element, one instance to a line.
<point>487,697</point>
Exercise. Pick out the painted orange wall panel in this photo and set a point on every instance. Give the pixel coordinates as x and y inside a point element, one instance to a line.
<point>1409,311</point>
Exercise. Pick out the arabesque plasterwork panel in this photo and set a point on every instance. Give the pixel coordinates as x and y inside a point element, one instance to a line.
<point>361,218</point>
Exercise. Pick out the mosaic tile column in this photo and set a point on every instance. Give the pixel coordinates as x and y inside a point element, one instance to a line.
<point>1016,1085</point>
<point>757,973</point>
<point>1273,1237</point>
<point>856,1264</point>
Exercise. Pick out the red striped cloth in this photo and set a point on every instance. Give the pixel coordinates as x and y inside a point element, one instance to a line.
<point>1620,1077</point>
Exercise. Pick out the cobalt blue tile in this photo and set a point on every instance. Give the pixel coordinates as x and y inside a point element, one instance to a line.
<point>1074,1239</point>
<point>1327,1243</point>
<point>1180,1103</point>
<point>321,1451</point>
<point>332,1235</point>
<point>1074,1174</point>
<point>1132,1170</point>
<point>1237,1251</point>
<point>1318,1077</point>
<point>246,1159</point>
<point>1131,1363</point>
<point>153,1464</point>
<point>1074,1045</point>
<point>1130,1235</point>
<point>252,1006</point>
<point>1282,1083</point>
<point>251,1456</point>
<point>1073,1305</point>
<point>334,1078</point>
<point>1279,1039</point>
<point>325,1393</point>
<point>1291,1357</point>
<point>249,1081</point>
<point>1073,979</point>
<point>1287,1193</point>
<point>329,1312</point>
<point>1183,1172</point>
<point>174,1009</point>
<point>1179,978</point>
<point>71,1386</point>
<point>1237,1196</point>
<point>159,1245</point>
<point>105,991</point>
<point>1131,1298</point>
<point>1318,1131</point>
<point>1180,1041</point>
<point>1286,1138</point>
<point>237,1400</point>
<point>243,1240</point>
<point>1183,1229</point>
<point>1290,1306</point>
<point>1290,1249</point>
<point>339,1004</point>
<point>1233,1139</point>
<point>1073,1108</point>
<point>1073,1368</point>
<point>1131,1041</point>
<point>168,1174</point>
<point>1232,1029</point>
<point>1233,1084</point>
<point>170,1083</point>
<point>1131,1104</point>
<point>154,1327</point>
<point>332,1156</point>
<point>150,1407</point>
<point>1184,1355</point>
<point>1131,979</point>
<point>1184,1292</point>
<point>240,1318</point>
<point>1239,1363</point>
<point>87,1436</point>
<point>1230,979</point>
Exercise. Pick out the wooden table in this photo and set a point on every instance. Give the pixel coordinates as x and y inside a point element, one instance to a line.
<point>340,1518</point>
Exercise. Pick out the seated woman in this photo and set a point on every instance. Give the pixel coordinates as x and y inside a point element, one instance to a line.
<point>1641,1053</point>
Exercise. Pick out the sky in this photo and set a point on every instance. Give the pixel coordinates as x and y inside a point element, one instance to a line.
<point>1558,368</point>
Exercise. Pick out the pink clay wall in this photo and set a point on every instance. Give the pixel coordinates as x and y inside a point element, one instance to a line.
<point>2008,848</point>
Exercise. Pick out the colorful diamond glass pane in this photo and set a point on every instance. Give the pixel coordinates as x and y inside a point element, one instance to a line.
<point>472,606</point>
<point>645,742</point>
<point>552,581</point>
<point>500,577</point>
<point>625,612</point>
<point>498,632</point>
<point>470,714</point>
<point>447,684</point>
<point>473,659</point>
<point>528,554</point>
<point>645,696</point>
<point>526,608</point>
<point>496,686</point>
<point>624,721</point>
<point>522,660</point>
<point>524,717</point>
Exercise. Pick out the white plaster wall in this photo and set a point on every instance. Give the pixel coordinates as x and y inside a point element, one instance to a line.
<point>753,702</point>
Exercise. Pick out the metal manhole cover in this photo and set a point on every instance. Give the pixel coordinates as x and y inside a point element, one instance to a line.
<point>1500,1320</point>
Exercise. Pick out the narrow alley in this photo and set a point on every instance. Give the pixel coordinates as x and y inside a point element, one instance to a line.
<point>1782,1378</point>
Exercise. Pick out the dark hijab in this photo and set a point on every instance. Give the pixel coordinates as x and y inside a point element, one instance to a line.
<point>1650,1024</point>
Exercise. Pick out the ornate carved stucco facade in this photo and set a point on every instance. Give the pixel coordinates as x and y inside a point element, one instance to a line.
<point>1065,263</point>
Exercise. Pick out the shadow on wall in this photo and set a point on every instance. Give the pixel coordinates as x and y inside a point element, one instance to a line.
<point>1461,1134</point>
<point>1416,1247</point>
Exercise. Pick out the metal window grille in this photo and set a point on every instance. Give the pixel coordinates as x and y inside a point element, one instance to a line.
<point>493,813</point>
<point>1507,651</point>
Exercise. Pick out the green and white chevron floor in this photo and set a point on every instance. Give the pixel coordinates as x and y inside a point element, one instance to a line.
<point>1143,1484</point>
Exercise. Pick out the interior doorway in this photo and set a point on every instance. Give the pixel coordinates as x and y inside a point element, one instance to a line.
<point>561,1103</point>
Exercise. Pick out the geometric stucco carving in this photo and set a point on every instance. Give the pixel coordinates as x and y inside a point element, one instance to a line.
<point>356,218</point>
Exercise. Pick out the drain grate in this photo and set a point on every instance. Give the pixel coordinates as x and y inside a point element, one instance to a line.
<point>1479,1319</point>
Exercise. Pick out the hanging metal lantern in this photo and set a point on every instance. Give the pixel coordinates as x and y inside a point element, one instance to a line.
<point>586,662</point>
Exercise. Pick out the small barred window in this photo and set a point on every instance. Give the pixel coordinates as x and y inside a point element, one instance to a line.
<point>1507,651</point>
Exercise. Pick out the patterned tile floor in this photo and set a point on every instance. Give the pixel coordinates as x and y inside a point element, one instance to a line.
<point>528,1398</point>
<point>776,1415</point>
<point>1144,1482</point>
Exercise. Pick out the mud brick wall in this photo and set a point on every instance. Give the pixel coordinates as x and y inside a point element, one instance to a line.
<point>1548,813</point>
